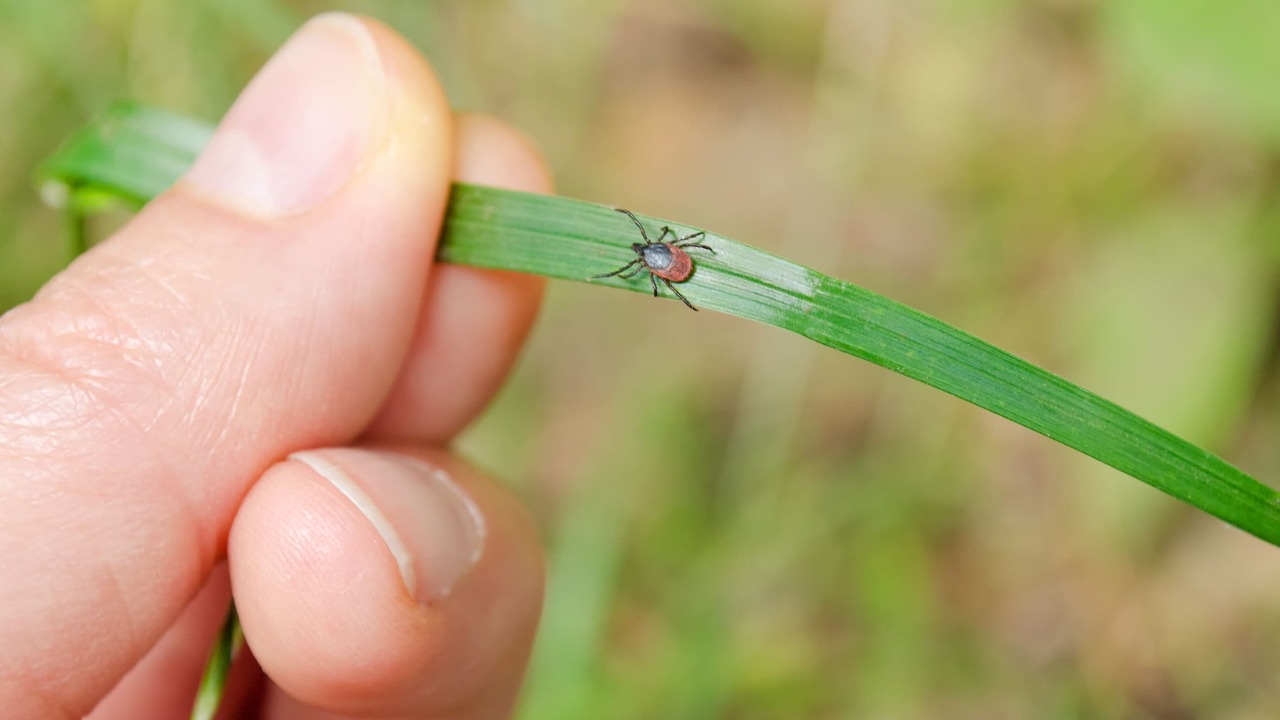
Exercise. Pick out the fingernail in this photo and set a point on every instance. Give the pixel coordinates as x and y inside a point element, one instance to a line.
<point>301,128</point>
<point>433,529</point>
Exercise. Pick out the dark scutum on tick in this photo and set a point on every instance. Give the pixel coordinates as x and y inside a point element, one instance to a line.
<point>665,261</point>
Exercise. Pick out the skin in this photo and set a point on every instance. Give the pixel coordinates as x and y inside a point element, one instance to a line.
<point>152,395</point>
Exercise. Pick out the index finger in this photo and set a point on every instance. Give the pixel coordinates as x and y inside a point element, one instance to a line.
<point>474,321</point>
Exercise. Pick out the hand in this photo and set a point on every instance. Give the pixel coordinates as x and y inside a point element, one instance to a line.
<point>256,369</point>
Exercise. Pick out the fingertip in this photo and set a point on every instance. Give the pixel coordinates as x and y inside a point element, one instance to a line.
<point>474,321</point>
<point>491,152</point>
<point>318,595</point>
<point>334,620</point>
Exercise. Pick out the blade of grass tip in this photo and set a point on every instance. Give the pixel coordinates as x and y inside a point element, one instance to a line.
<point>216,669</point>
<point>574,240</point>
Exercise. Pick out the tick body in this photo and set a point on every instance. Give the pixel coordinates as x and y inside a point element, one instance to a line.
<point>665,261</point>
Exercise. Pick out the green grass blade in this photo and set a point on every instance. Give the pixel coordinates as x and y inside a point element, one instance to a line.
<point>569,239</point>
<point>135,152</point>
<point>218,667</point>
<point>131,151</point>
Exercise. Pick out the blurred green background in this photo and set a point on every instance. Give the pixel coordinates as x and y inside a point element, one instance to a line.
<point>743,525</point>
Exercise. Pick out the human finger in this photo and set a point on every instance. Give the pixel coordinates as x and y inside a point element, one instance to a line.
<point>474,321</point>
<point>386,584</point>
<point>262,306</point>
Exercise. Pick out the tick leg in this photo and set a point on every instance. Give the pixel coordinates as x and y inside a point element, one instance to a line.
<point>700,246</point>
<point>619,271</point>
<point>654,279</point>
<point>636,220</point>
<point>685,242</point>
<point>677,292</point>
<point>639,269</point>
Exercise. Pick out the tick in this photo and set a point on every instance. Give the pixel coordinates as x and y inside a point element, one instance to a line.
<point>665,261</point>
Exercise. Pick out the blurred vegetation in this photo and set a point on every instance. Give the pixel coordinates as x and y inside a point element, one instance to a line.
<point>743,525</point>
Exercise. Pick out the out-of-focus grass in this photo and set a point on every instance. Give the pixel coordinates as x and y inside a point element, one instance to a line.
<point>746,527</point>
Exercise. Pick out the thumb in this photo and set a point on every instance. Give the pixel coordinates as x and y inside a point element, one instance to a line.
<point>262,306</point>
